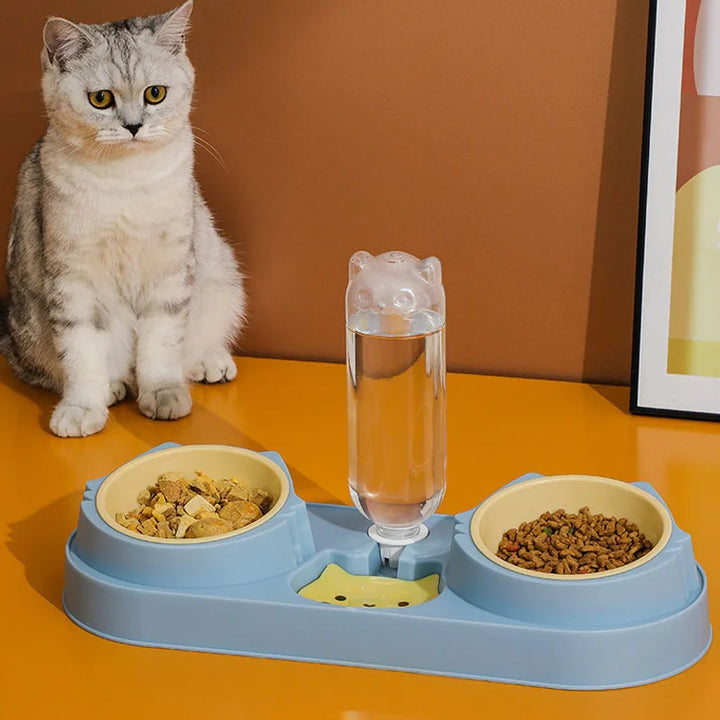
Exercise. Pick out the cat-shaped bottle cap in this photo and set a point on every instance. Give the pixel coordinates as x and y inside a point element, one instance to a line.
<point>394,294</point>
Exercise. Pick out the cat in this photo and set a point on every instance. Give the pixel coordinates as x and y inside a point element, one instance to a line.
<point>118,280</point>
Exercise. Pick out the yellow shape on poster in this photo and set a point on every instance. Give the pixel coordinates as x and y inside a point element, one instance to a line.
<point>694,346</point>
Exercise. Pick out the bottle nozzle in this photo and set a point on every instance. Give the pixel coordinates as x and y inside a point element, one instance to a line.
<point>393,543</point>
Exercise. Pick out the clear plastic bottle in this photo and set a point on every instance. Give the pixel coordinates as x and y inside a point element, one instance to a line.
<point>395,343</point>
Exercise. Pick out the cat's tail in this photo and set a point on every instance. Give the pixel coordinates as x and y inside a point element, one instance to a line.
<point>4,328</point>
<point>7,349</point>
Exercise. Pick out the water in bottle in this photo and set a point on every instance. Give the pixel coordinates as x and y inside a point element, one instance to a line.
<point>395,306</point>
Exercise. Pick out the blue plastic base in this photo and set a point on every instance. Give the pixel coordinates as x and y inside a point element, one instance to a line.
<point>454,634</point>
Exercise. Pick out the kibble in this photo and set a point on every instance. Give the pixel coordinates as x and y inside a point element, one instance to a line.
<point>177,507</point>
<point>207,526</point>
<point>573,544</point>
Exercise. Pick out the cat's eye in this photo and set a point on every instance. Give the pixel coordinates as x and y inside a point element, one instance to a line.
<point>155,94</point>
<point>101,99</point>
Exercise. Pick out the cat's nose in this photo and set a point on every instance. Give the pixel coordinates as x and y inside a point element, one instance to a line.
<point>133,128</point>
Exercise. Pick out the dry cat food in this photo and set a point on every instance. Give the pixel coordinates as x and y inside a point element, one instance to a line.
<point>175,507</point>
<point>568,544</point>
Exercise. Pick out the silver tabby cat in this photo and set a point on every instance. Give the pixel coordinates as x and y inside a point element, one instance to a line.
<point>118,278</point>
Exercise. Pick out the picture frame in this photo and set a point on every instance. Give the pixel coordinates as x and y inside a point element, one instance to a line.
<point>676,339</point>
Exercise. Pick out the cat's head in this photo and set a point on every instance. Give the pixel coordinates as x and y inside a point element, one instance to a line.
<point>120,86</point>
<point>394,283</point>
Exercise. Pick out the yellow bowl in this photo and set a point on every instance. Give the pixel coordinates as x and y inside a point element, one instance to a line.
<point>118,492</point>
<point>526,501</point>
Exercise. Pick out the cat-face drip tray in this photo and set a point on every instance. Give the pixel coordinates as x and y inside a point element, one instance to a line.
<point>336,586</point>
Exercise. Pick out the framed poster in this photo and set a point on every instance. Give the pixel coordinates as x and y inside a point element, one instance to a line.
<point>676,352</point>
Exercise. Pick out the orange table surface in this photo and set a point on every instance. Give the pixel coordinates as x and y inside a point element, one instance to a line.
<point>498,428</point>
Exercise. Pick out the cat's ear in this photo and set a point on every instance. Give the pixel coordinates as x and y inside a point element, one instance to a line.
<point>431,270</point>
<point>172,33</point>
<point>358,262</point>
<point>64,40</point>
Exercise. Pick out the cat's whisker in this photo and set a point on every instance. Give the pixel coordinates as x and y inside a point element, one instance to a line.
<point>208,146</point>
<point>102,152</point>
<point>199,129</point>
<point>204,144</point>
<point>83,141</point>
<point>207,141</point>
<point>74,149</point>
<point>211,150</point>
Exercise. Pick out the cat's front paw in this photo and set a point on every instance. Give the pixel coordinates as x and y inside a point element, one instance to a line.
<point>75,421</point>
<point>117,392</point>
<point>216,368</point>
<point>168,403</point>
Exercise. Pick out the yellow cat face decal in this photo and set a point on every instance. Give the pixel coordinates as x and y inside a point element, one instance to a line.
<point>337,587</point>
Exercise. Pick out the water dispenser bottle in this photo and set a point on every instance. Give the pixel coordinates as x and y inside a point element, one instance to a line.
<point>395,343</point>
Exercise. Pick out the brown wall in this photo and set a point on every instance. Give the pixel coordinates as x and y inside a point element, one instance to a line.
<point>501,135</point>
